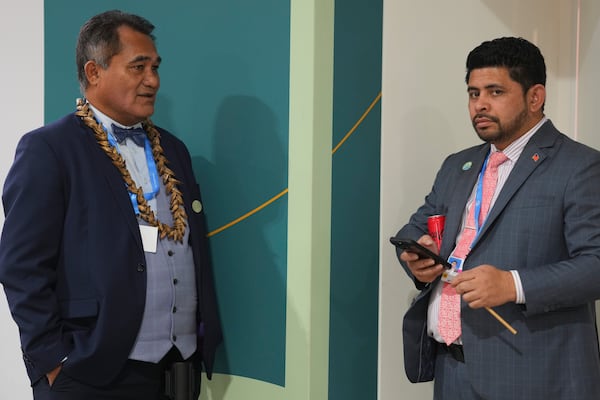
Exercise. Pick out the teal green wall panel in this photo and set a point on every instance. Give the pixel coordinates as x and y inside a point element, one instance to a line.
<point>224,92</point>
<point>355,202</point>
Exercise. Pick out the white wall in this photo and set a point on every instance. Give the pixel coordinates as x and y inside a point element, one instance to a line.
<point>21,109</point>
<point>425,117</point>
<point>589,65</point>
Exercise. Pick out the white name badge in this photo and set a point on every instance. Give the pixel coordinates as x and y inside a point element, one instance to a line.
<point>449,274</point>
<point>149,238</point>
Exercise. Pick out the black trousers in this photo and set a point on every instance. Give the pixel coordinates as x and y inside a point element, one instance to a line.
<point>137,381</point>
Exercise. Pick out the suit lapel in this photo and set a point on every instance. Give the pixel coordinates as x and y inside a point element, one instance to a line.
<point>175,163</point>
<point>460,195</point>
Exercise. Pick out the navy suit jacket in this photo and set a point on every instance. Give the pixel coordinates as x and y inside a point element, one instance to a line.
<point>545,224</point>
<point>71,256</point>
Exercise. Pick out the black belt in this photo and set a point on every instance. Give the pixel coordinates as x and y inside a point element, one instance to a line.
<point>455,350</point>
<point>179,378</point>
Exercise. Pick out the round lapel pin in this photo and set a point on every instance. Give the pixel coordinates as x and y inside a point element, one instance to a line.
<point>467,166</point>
<point>196,206</point>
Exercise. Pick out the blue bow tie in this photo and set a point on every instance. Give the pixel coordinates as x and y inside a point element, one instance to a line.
<point>136,134</point>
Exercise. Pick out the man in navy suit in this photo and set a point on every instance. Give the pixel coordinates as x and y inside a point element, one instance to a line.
<point>534,257</point>
<point>103,256</point>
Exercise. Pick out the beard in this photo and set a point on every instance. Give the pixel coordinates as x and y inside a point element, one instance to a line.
<point>505,132</point>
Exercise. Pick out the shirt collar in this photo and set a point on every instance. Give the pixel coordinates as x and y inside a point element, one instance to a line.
<point>107,122</point>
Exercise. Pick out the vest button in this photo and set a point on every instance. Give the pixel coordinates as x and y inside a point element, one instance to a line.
<point>141,268</point>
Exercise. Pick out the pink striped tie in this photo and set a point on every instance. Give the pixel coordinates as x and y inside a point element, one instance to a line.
<point>449,314</point>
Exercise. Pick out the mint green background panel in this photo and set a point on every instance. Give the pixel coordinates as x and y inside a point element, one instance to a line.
<point>355,202</point>
<point>224,92</point>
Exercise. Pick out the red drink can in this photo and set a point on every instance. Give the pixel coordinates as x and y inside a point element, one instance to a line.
<point>435,226</point>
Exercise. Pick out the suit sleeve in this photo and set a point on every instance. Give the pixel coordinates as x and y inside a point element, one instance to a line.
<point>574,280</point>
<point>34,206</point>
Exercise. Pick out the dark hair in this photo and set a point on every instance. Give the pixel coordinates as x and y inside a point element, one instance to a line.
<point>523,59</point>
<point>99,39</point>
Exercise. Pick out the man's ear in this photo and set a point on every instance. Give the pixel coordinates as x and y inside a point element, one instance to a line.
<point>92,72</point>
<point>536,97</point>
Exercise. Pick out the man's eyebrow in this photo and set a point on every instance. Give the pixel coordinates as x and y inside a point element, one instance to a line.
<point>490,86</point>
<point>142,58</point>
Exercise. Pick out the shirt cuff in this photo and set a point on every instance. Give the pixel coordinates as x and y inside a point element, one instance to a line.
<point>518,287</point>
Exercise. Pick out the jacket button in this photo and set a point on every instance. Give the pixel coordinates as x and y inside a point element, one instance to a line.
<point>141,268</point>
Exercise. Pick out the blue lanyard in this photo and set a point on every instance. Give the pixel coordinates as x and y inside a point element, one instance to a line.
<point>479,197</point>
<point>152,171</point>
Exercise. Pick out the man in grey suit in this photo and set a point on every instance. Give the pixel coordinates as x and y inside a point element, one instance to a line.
<point>535,257</point>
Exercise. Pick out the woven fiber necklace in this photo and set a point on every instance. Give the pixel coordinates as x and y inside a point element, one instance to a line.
<point>177,208</point>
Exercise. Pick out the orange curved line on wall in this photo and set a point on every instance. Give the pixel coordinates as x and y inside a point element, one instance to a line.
<point>285,191</point>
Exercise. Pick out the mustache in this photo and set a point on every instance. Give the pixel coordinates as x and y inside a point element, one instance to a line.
<point>486,116</point>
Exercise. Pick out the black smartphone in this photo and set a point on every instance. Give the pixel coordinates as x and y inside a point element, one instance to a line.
<point>413,247</point>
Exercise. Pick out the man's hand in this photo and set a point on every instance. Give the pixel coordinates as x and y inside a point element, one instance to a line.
<point>51,376</point>
<point>485,286</point>
<point>424,270</point>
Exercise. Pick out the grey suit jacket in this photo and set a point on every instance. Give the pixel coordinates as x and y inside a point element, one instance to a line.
<point>545,224</point>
